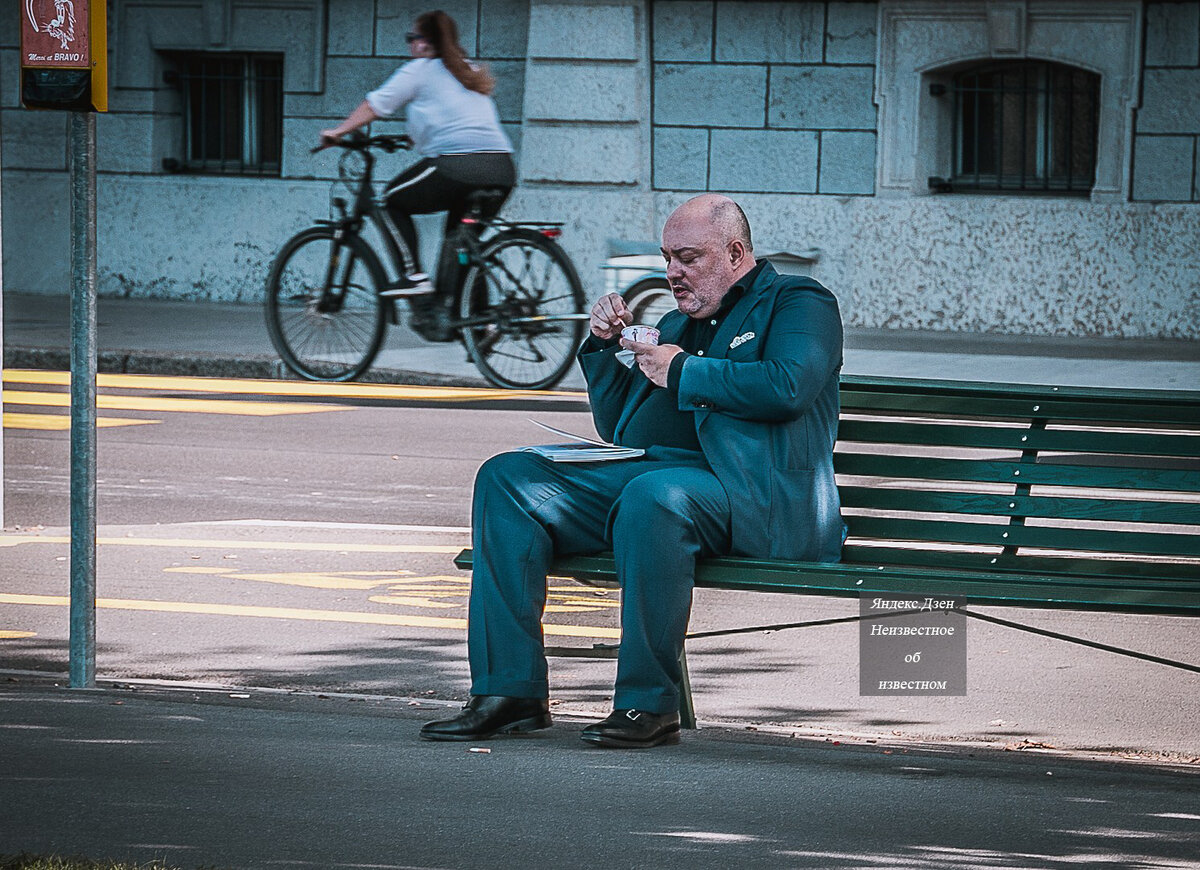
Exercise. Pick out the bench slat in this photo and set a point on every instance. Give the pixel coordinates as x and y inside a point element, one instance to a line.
<point>1014,535</point>
<point>1018,409</point>
<point>1027,562</point>
<point>995,504</point>
<point>846,580</point>
<point>1016,473</point>
<point>999,438</point>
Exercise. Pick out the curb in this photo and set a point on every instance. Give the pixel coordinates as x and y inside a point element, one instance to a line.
<point>131,362</point>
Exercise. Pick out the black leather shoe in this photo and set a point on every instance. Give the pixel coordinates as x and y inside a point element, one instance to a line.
<point>633,729</point>
<point>488,715</point>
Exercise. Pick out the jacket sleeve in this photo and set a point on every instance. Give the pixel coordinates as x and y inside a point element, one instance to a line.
<point>802,349</point>
<point>608,383</point>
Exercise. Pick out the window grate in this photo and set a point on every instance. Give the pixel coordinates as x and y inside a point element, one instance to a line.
<point>1025,126</point>
<point>232,113</point>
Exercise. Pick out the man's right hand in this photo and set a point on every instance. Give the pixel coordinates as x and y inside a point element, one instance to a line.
<point>610,316</point>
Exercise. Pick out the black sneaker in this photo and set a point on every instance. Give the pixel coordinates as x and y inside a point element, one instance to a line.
<point>416,284</point>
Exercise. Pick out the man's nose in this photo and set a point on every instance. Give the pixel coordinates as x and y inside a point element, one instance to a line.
<point>674,270</point>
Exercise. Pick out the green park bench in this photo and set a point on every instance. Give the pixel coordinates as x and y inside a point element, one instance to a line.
<point>1002,494</point>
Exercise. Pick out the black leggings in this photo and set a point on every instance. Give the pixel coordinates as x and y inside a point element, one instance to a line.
<point>443,184</point>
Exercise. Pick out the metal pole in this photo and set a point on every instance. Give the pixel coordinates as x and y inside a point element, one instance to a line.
<point>83,400</point>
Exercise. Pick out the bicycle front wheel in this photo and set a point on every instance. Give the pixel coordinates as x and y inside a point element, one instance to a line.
<point>521,311</point>
<point>324,315</point>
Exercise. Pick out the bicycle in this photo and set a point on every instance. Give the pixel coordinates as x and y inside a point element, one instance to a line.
<point>505,289</point>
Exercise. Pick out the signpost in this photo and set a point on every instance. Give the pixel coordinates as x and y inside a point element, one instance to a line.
<point>64,65</point>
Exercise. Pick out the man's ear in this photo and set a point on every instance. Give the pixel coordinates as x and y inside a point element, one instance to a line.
<point>737,252</point>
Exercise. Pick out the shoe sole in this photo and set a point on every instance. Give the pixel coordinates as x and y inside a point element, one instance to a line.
<point>521,726</point>
<point>670,738</point>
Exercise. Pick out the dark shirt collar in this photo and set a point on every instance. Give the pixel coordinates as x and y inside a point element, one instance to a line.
<point>738,290</point>
<point>747,280</point>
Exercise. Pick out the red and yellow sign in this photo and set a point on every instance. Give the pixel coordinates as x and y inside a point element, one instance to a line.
<point>64,35</point>
<point>55,33</point>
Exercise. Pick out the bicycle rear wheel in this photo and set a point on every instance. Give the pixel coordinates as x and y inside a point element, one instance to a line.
<point>519,310</point>
<point>324,315</point>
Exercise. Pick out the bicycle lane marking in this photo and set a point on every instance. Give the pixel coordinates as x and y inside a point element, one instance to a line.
<point>290,613</point>
<point>393,588</point>
<point>284,388</point>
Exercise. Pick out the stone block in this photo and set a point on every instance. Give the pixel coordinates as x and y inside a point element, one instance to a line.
<point>766,161</point>
<point>347,81</point>
<point>141,30</point>
<point>504,29</point>
<point>394,18</point>
<point>585,32</point>
<point>1164,168</point>
<point>588,154</point>
<point>296,31</point>
<point>822,97</point>
<point>572,91</point>
<point>10,30</point>
<point>683,30</point>
<point>510,88</point>
<point>709,95</point>
<point>1170,101</point>
<point>850,33</point>
<point>1172,34</point>
<point>125,141</point>
<point>352,27</point>
<point>10,78</point>
<point>34,140</point>
<point>847,163</point>
<point>680,158</point>
<point>770,32</point>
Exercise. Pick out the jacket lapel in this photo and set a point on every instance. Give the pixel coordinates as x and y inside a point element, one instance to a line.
<point>732,325</point>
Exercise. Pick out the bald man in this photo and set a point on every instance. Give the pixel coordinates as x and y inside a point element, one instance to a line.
<point>736,409</point>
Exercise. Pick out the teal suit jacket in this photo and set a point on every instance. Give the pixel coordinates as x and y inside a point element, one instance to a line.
<point>766,409</point>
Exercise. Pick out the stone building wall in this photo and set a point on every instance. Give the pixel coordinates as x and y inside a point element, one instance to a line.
<point>817,115</point>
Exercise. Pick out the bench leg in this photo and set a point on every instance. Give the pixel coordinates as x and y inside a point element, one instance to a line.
<point>687,713</point>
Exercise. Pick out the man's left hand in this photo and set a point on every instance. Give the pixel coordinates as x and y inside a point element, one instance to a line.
<point>653,359</point>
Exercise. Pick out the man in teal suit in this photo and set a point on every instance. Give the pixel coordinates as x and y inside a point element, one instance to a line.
<point>736,408</point>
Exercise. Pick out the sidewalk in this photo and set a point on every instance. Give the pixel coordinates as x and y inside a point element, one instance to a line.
<point>220,778</point>
<point>228,340</point>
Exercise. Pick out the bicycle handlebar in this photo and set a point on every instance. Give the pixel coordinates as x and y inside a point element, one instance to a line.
<point>359,142</point>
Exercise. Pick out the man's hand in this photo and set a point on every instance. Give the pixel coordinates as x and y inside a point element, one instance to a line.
<point>610,316</point>
<point>653,359</point>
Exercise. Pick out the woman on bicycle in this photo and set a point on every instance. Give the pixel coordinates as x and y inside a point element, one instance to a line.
<point>455,129</point>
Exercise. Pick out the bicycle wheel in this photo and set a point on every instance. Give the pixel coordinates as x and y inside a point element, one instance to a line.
<point>323,313</point>
<point>519,307</point>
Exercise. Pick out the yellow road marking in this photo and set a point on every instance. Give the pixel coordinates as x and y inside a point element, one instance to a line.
<point>277,388</point>
<point>62,422</point>
<point>291,613</point>
<point>168,403</point>
<point>16,635</point>
<point>188,543</point>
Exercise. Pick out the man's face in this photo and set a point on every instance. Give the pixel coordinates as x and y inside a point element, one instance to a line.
<point>699,268</point>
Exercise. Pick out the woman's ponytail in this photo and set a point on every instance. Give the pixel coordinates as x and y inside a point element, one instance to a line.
<point>440,31</point>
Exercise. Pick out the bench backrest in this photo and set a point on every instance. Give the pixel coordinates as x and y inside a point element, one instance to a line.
<point>1021,478</point>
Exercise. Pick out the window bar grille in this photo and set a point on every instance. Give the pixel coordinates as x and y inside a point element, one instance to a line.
<point>1070,132</point>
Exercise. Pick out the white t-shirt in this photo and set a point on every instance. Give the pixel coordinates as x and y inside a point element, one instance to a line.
<point>442,116</point>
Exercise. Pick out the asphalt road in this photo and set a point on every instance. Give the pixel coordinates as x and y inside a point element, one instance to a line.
<point>299,536</point>
<point>252,781</point>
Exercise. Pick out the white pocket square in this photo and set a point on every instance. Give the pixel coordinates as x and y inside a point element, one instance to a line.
<point>741,339</point>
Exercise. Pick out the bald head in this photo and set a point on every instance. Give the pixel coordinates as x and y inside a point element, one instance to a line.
<point>721,213</point>
<point>706,243</point>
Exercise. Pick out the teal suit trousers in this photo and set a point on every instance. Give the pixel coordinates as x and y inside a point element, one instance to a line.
<point>658,515</point>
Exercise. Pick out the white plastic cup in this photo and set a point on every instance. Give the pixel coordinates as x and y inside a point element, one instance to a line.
<point>642,334</point>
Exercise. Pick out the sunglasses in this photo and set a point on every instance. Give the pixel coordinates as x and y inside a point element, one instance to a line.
<point>411,37</point>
